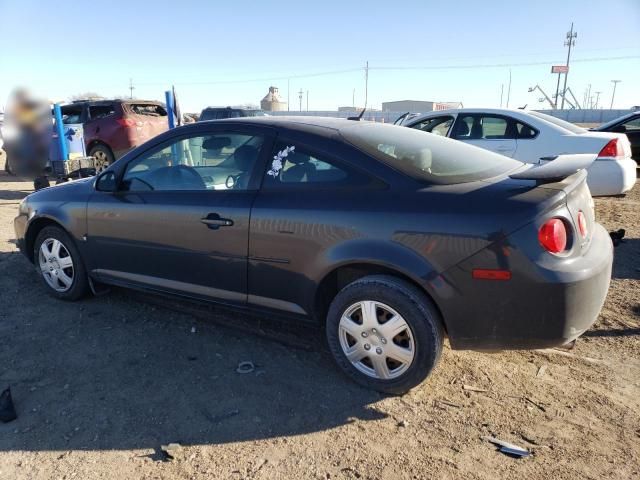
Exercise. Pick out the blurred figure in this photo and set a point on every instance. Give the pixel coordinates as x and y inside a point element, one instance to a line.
<point>27,136</point>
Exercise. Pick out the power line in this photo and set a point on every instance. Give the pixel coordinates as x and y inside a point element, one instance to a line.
<point>571,36</point>
<point>502,65</point>
<point>390,68</point>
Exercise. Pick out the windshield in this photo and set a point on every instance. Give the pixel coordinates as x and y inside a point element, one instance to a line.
<point>559,123</point>
<point>425,156</point>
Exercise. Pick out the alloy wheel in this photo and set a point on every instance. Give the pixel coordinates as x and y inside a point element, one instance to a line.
<point>101,161</point>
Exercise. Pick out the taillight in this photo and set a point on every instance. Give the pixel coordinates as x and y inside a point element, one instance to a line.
<point>613,149</point>
<point>553,236</point>
<point>582,224</point>
<point>126,122</point>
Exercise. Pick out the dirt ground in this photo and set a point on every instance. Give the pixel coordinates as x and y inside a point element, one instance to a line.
<point>101,384</point>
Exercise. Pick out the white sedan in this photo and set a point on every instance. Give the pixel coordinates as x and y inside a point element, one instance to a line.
<point>534,137</point>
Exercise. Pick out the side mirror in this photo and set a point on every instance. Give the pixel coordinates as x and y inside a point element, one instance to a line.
<point>619,129</point>
<point>106,182</point>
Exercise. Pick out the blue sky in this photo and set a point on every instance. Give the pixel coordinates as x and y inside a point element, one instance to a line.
<point>227,53</point>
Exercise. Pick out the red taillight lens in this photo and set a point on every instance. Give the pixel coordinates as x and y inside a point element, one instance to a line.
<point>126,122</point>
<point>612,149</point>
<point>553,236</point>
<point>582,224</point>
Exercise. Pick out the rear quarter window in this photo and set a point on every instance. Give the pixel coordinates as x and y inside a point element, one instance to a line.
<point>427,157</point>
<point>147,109</point>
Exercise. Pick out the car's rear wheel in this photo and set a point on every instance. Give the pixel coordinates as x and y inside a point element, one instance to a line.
<point>103,157</point>
<point>59,264</point>
<point>384,333</point>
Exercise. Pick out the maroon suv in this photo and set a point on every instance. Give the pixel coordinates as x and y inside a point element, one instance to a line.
<point>113,127</point>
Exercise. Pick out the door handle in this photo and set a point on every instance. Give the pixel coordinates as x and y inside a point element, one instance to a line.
<point>213,221</point>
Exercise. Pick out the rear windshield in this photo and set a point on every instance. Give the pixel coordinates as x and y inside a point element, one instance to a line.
<point>148,109</point>
<point>560,123</point>
<point>425,156</point>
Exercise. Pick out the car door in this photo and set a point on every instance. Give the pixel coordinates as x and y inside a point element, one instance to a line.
<point>295,217</point>
<point>492,132</point>
<point>178,218</point>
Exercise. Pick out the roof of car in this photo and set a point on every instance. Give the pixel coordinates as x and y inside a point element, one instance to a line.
<point>476,110</point>
<point>294,122</point>
<point>102,101</point>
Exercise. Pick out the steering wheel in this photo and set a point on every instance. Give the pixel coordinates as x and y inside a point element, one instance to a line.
<point>136,179</point>
<point>176,175</point>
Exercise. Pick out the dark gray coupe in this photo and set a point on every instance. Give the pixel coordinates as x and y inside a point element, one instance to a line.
<point>388,237</point>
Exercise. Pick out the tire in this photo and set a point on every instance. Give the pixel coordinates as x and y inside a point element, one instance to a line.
<point>418,343</point>
<point>78,286</point>
<point>103,157</point>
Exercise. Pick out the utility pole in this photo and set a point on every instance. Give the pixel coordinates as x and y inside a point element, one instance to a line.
<point>597,99</point>
<point>288,103</point>
<point>366,84</point>
<point>131,88</point>
<point>509,89</point>
<point>501,94</point>
<point>307,100</point>
<point>557,90</point>
<point>353,99</point>
<point>570,42</point>
<point>300,93</point>
<point>613,95</point>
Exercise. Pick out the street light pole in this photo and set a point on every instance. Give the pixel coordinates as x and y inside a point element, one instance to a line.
<point>613,95</point>
<point>571,35</point>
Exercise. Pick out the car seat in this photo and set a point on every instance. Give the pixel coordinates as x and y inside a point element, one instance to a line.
<point>461,129</point>
<point>244,158</point>
<point>301,171</point>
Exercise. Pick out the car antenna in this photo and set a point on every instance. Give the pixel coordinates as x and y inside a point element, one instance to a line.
<point>359,117</point>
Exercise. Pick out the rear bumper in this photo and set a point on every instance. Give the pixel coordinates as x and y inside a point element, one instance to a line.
<point>537,308</point>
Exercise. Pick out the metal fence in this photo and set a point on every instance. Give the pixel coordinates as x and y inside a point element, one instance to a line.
<point>596,116</point>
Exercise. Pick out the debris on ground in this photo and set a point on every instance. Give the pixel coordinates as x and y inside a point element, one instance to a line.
<point>508,448</point>
<point>171,450</point>
<point>193,329</point>
<point>403,423</point>
<point>7,410</point>
<point>449,403</point>
<point>535,404</point>
<point>541,370</point>
<point>245,367</point>
<point>471,388</point>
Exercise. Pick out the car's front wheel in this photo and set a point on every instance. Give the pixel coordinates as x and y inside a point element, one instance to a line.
<point>59,264</point>
<point>384,333</point>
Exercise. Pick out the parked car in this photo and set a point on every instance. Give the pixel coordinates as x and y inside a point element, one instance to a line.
<point>218,113</point>
<point>534,137</point>
<point>385,236</point>
<point>113,127</point>
<point>629,125</point>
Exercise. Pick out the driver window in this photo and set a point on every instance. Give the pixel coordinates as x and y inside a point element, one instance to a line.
<point>222,161</point>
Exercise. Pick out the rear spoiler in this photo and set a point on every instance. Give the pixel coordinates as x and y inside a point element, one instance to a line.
<point>556,168</point>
